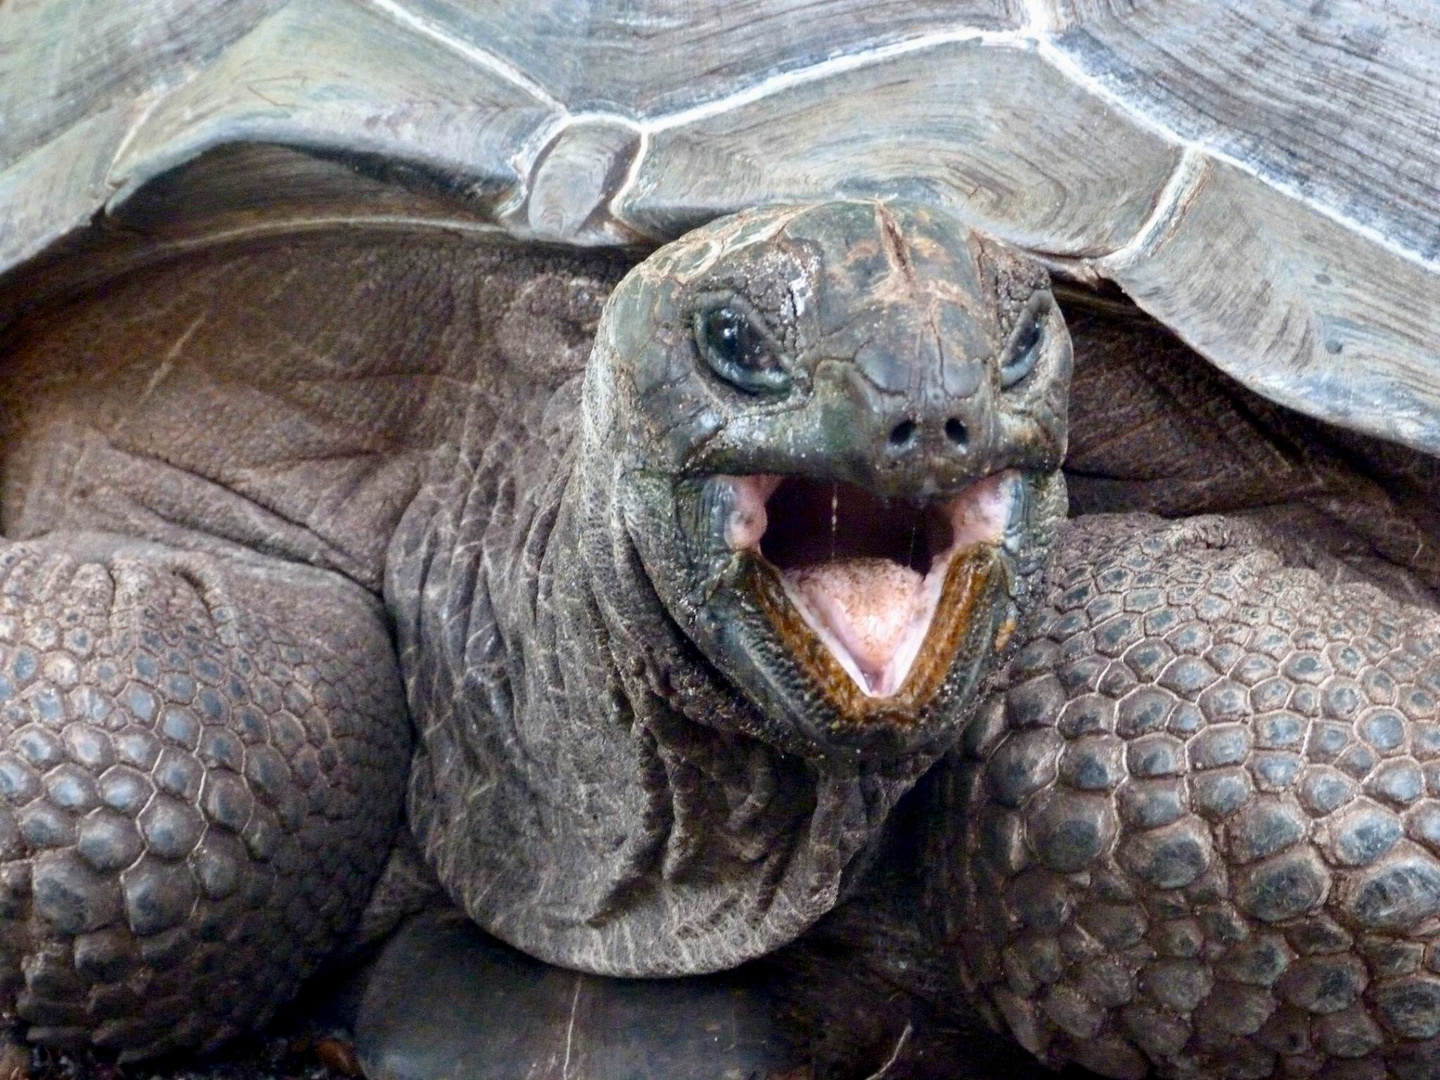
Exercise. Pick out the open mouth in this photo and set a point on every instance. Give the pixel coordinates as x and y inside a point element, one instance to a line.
<point>874,580</point>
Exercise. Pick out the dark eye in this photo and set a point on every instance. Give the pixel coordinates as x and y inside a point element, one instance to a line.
<point>1023,350</point>
<point>735,345</point>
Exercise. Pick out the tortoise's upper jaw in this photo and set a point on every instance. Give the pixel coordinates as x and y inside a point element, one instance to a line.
<point>874,596</point>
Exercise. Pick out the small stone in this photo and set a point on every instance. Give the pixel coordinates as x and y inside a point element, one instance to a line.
<point>170,827</point>
<point>1362,834</point>
<point>1235,1009</point>
<point>1071,1012</point>
<point>1118,926</point>
<point>1143,710</point>
<point>1158,1032</point>
<point>1410,1007</point>
<point>158,895</point>
<point>1279,730</point>
<point>1383,729</point>
<point>1324,984</point>
<point>1259,961</point>
<point>1040,900</point>
<point>1034,703</point>
<point>1226,744</point>
<point>1221,793</point>
<point>1326,741</point>
<point>1155,755</point>
<point>1069,830</point>
<point>1148,804</point>
<point>1025,762</point>
<point>72,896</point>
<point>1397,893</point>
<point>1187,676</point>
<point>1170,857</point>
<point>1319,935</point>
<point>1275,771</point>
<point>1093,763</point>
<point>1176,984</point>
<point>1263,828</point>
<point>1085,715</point>
<point>1323,790</point>
<point>1398,782</point>
<point>1283,886</point>
<point>1225,701</point>
<point>108,841</point>
<point>1349,1033</point>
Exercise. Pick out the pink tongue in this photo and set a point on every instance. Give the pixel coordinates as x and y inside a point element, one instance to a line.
<point>868,604</point>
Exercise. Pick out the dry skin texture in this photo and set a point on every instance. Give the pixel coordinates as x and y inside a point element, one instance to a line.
<point>265,507</point>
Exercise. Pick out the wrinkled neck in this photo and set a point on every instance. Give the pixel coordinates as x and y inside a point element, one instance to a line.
<point>583,785</point>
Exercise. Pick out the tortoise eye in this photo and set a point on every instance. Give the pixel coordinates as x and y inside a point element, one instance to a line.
<point>737,347</point>
<point>1022,352</point>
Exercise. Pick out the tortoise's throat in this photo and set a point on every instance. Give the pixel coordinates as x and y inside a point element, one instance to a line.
<point>866,575</point>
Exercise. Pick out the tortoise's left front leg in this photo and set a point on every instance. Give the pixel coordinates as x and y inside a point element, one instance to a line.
<point>1198,832</point>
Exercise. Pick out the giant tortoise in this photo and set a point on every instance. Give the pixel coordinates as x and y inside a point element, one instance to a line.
<point>362,444</point>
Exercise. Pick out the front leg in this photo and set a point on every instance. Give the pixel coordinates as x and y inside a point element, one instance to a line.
<point>201,765</point>
<point>1200,827</point>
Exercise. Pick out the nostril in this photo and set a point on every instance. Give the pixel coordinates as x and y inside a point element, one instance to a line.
<point>955,431</point>
<point>902,434</point>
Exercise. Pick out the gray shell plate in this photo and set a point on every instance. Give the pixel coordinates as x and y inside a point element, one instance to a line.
<point>1260,175</point>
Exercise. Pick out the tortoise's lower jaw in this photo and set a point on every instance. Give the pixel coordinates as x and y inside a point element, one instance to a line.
<point>873,598</point>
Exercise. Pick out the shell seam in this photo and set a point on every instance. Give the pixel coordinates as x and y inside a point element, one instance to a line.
<point>835,65</point>
<point>1033,35</point>
<point>481,57</point>
<point>1180,189</point>
<point>1066,64</point>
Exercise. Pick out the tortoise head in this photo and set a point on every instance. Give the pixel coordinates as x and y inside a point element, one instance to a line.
<point>836,434</point>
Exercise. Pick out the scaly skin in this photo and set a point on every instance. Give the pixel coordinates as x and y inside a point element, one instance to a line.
<point>199,785</point>
<point>1198,826</point>
<point>621,765</point>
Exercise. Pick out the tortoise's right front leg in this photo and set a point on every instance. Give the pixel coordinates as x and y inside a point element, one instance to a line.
<point>201,767</point>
